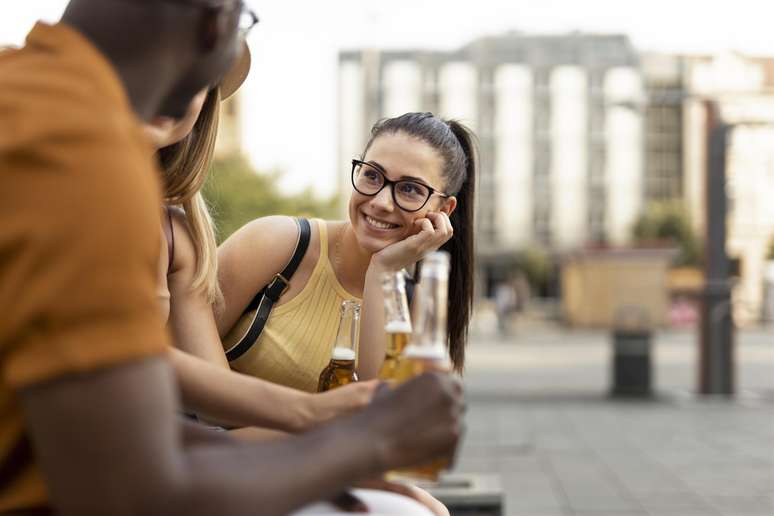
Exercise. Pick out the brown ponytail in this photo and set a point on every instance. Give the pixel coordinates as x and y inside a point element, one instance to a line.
<point>461,248</point>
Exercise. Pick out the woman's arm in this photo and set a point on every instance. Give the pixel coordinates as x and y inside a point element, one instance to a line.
<point>190,314</point>
<point>229,398</point>
<point>372,337</point>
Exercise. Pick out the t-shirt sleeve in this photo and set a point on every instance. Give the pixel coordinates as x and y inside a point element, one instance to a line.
<point>78,260</point>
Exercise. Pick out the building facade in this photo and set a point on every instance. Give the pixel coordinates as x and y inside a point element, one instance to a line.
<point>743,89</point>
<point>664,76</point>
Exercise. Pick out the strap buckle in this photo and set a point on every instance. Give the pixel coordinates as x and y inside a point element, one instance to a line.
<point>272,292</point>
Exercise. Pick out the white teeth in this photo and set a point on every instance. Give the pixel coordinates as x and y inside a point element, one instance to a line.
<point>379,224</point>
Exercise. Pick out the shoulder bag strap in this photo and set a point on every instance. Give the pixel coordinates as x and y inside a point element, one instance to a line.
<point>169,236</point>
<point>264,301</point>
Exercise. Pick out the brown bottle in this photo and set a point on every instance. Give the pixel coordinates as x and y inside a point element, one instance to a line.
<point>341,368</point>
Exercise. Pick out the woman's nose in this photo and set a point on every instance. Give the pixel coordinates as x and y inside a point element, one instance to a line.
<point>383,199</point>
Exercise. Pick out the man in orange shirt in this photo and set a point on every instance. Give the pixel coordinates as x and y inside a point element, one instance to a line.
<point>87,401</point>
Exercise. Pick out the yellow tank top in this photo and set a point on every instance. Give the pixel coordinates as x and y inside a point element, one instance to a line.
<point>297,340</point>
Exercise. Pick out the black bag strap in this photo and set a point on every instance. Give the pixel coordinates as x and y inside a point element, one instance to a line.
<point>411,284</point>
<point>264,300</point>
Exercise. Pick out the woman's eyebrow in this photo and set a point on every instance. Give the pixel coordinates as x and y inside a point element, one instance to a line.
<point>413,178</point>
<point>377,166</point>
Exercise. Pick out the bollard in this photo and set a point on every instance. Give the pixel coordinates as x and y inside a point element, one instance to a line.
<point>631,357</point>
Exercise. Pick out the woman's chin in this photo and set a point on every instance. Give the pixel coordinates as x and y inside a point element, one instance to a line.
<point>156,137</point>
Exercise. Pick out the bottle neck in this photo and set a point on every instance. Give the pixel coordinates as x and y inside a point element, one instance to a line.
<point>396,312</point>
<point>345,346</point>
<point>432,302</point>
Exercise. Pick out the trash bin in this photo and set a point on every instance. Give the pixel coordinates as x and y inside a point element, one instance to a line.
<point>631,358</point>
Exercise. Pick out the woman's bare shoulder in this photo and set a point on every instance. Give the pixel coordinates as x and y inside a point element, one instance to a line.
<point>282,227</point>
<point>249,258</point>
<point>267,241</point>
<point>272,231</point>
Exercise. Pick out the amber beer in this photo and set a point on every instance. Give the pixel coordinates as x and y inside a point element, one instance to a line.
<point>416,361</point>
<point>341,367</point>
<point>339,371</point>
<point>398,337</point>
<point>397,323</point>
<point>427,350</point>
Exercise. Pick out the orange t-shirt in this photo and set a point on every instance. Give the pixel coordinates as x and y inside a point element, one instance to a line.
<point>79,244</point>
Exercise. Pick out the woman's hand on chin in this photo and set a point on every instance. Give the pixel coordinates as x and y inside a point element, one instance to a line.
<point>431,233</point>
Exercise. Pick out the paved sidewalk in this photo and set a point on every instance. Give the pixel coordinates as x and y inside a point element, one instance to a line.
<point>539,416</point>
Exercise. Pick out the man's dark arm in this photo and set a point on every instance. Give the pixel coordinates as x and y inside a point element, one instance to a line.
<point>109,442</point>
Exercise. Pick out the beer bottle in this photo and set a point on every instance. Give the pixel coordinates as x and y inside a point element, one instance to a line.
<point>341,368</point>
<point>397,322</point>
<point>428,347</point>
<point>427,350</point>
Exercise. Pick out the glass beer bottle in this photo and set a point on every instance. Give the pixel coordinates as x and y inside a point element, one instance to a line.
<point>427,350</point>
<point>397,323</point>
<point>341,368</point>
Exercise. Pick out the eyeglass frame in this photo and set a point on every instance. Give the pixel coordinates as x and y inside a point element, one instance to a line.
<point>254,20</point>
<point>386,181</point>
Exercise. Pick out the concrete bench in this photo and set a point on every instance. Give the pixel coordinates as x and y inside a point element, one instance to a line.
<point>468,494</point>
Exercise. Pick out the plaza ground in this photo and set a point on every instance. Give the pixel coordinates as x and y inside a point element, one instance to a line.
<point>540,417</point>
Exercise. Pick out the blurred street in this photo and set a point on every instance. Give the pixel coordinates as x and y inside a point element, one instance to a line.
<point>540,417</point>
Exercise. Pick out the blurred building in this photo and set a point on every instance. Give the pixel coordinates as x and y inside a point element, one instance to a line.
<point>560,124</point>
<point>743,88</point>
<point>666,90</point>
<point>578,133</point>
<point>229,141</point>
<point>678,88</point>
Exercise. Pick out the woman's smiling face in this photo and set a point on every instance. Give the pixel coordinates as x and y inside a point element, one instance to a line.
<point>376,220</point>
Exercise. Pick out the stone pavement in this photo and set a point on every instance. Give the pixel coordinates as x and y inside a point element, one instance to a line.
<point>539,415</point>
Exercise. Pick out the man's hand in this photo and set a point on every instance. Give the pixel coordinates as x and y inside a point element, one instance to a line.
<point>417,422</point>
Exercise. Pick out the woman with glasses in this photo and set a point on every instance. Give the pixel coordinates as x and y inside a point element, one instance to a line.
<point>412,193</point>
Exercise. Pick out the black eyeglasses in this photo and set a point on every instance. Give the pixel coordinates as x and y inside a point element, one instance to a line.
<point>407,194</point>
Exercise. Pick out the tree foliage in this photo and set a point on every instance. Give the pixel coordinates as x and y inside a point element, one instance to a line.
<point>238,194</point>
<point>669,221</point>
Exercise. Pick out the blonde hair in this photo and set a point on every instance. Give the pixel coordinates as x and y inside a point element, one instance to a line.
<point>186,165</point>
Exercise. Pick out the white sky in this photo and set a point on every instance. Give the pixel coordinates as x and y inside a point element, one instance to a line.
<point>290,97</point>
